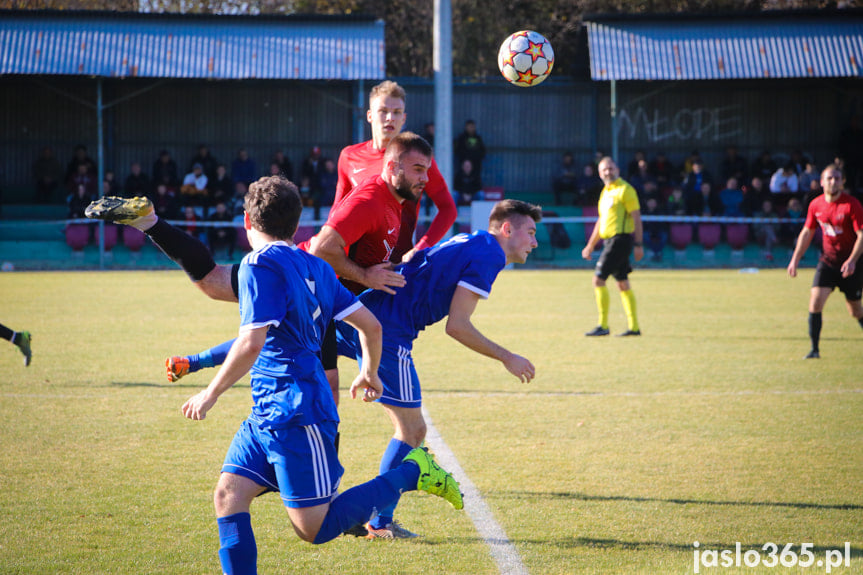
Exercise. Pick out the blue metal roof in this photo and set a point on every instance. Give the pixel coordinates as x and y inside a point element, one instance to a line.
<point>224,47</point>
<point>722,49</point>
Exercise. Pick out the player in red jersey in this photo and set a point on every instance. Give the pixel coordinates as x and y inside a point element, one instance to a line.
<point>841,219</point>
<point>386,114</point>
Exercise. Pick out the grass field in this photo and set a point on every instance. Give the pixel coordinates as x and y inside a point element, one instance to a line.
<point>615,459</point>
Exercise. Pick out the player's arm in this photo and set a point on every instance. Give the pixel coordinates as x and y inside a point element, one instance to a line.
<point>803,241</point>
<point>439,194</point>
<point>849,265</point>
<point>343,184</point>
<point>591,241</point>
<point>330,247</point>
<point>638,249</point>
<point>370,333</point>
<point>460,328</point>
<point>240,359</point>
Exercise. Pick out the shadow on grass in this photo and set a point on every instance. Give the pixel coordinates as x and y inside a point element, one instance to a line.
<point>586,497</point>
<point>167,385</point>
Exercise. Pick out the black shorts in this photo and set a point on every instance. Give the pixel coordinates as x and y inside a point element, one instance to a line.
<point>826,276</point>
<point>329,348</point>
<point>614,259</point>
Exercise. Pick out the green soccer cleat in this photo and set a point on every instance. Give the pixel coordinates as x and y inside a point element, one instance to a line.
<point>23,343</point>
<point>434,479</point>
<point>127,211</point>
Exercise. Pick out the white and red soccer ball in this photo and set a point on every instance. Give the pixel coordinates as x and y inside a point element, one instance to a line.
<point>525,58</point>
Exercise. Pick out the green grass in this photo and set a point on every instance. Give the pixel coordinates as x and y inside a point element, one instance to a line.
<point>615,459</point>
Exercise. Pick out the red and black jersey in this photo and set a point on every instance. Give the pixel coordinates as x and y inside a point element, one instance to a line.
<point>362,161</point>
<point>839,221</point>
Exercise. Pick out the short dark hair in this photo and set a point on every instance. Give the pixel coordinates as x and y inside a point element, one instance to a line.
<point>506,209</point>
<point>408,142</point>
<point>274,206</point>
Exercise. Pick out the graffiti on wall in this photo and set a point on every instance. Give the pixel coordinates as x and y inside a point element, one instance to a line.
<point>686,124</point>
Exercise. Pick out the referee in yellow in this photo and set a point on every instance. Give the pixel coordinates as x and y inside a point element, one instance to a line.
<point>619,227</point>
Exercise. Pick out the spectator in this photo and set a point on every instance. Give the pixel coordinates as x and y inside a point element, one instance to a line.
<point>754,195</point>
<point>82,178</point>
<point>137,182</point>
<point>110,186</point>
<point>734,165</point>
<point>806,177</point>
<point>662,171</point>
<point>79,158</point>
<point>47,173</point>
<point>642,180</point>
<point>165,170</point>
<point>310,172</point>
<point>784,180</point>
<point>798,161</point>
<point>428,133</point>
<point>469,146</point>
<point>190,219</point>
<point>766,232</point>
<point>286,168</point>
<point>789,231</point>
<point>731,199</point>
<point>655,233</point>
<point>165,203</point>
<point>696,177</point>
<point>763,167</point>
<point>851,149</point>
<point>589,185</point>
<point>78,201</point>
<point>676,203</point>
<point>221,237</point>
<point>329,179</point>
<point>221,187</point>
<point>243,168</point>
<point>688,163</point>
<point>207,161</point>
<point>194,189</point>
<point>467,184</point>
<point>632,166</point>
<point>565,179</point>
<point>705,202</point>
<point>238,200</point>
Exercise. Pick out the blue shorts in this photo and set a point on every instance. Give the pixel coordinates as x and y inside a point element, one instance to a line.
<point>298,462</point>
<point>397,371</point>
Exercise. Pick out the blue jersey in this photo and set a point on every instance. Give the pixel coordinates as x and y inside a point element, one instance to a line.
<point>296,295</point>
<point>432,275</point>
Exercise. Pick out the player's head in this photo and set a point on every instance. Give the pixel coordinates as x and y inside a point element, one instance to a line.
<point>832,180</point>
<point>386,112</point>
<point>273,207</point>
<point>608,170</point>
<point>513,223</point>
<point>406,164</point>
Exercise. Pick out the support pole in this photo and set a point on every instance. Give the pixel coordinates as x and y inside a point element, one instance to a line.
<point>100,167</point>
<point>443,87</point>
<point>614,149</point>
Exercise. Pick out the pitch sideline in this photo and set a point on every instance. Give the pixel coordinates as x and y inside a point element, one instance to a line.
<point>503,552</point>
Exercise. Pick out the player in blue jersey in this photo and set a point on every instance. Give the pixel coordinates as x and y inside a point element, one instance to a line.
<point>287,297</point>
<point>446,280</point>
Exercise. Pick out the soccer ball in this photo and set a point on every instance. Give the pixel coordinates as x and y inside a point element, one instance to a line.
<point>525,58</point>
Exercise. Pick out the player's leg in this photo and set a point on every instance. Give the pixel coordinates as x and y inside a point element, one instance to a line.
<point>186,251</point>
<point>238,552</point>
<point>852,287</point>
<point>600,290</point>
<point>817,298</point>
<point>627,297</point>
<point>178,366</point>
<point>21,339</point>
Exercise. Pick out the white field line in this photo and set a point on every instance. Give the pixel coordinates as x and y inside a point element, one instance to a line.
<point>739,392</point>
<point>502,550</point>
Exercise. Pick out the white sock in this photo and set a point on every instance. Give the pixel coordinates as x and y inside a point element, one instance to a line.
<point>144,222</point>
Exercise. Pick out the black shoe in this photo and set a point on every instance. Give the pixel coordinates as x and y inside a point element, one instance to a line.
<point>813,354</point>
<point>598,330</point>
<point>628,333</point>
<point>358,530</point>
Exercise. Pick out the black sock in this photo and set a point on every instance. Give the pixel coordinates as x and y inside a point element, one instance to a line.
<point>336,442</point>
<point>186,251</point>
<point>860,321</point>
<point>6,333</point>
<point>815,329</point>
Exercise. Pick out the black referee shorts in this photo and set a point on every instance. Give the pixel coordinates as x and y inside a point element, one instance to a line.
<point>614,259</point>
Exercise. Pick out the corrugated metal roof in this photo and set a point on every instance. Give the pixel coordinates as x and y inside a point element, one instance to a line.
<point>224,47</point>
<point>722,49</point>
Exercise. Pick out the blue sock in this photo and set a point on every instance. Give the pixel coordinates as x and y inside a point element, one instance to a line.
<point>238,552</point>
<point>392,458</point>
<point>356,505</point>
<point>210,357</point>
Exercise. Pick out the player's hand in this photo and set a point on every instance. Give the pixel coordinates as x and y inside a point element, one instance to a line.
<point>197,406</point>
<point>520,367</point>
<point>638,252</point>
<point>848,268</point>
<point>382,277</point>
<point>586,252</point>
<point>409,255</point>
<point>792,269</point>
<point>371,386</point>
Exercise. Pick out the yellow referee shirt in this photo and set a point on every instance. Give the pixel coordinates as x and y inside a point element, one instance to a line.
<point>616,202</point>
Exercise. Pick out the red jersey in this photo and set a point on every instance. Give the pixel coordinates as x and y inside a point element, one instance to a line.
<point>839,221</point>
<point>362,161</point>
<point>369,221</point>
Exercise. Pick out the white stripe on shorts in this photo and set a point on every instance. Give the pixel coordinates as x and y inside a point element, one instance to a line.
<point>405,374</point>
<point>320,467</point>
